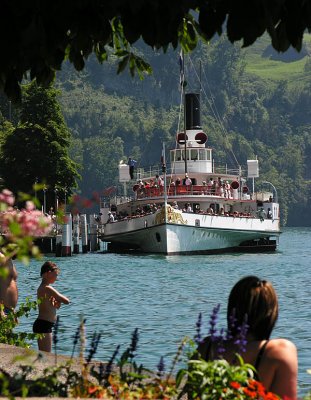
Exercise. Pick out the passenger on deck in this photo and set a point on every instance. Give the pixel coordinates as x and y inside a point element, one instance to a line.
<point>156,181</point>
<point>187,208</point>
<point>210,185</point>
<point>177,182</point>
<point>204,188</point>
<point>210,210</point>
<point>227,190</point>
<point>214,188</point>
<point>262,214</point>
<point>187,181</point>
<point>175,205</point>
<point>110,217</point>
<point>220,189</point>
<point>131,163</point>
<point>269,214</point>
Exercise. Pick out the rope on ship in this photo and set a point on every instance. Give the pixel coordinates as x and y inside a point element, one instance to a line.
<point>213,108</point>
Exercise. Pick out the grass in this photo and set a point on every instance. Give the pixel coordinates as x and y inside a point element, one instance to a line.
<point>272,70</point>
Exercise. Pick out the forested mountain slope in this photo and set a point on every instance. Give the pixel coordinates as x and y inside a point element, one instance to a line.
<point>114,116</point>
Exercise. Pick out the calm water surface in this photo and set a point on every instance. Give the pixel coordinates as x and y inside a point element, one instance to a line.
<point>163,295</point>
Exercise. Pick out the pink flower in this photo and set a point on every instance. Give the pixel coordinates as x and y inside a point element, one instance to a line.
<point>30,205</point>
<point>6,196</point>
<point>26,223</point>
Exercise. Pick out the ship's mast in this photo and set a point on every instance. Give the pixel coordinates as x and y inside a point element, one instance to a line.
<point>183,84</point>
<point>164,176</point>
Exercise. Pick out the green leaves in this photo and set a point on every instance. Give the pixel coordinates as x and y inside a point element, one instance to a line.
<point>208,379</point>
<point>37,37</point>
<point>36,152</point>
<point>187,34</point>
<point>136,64</point>
<point>10,322</point>
<point>122,49</point>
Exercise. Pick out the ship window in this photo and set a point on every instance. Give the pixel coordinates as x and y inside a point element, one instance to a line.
<point>202,154</point>
<point>183,154</point>
<point>208,154</point>
<point>158,237</point>
<point>194,154</point>
<point>175,155</point>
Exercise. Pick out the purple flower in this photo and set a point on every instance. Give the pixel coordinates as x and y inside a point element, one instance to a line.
<point>220,342</point>
<point>240,339</point>
<point>77,336</point>
<point>55,332</point>
<point>109,365</point>
<point>134,342</point>
<point>161,366</point>
<point>198,337</point>
<point>94,344</point>
<point>231,325</point>
<point>213,321</point>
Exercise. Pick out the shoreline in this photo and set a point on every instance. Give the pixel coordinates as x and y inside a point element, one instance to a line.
<point>12,357</point>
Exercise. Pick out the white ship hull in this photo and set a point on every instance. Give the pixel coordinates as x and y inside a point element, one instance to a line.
<point>200,234</point>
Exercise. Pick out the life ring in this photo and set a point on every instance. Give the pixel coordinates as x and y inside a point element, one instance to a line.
<point>200,137</point>
<point>181,137</point>
<point>235,185</point>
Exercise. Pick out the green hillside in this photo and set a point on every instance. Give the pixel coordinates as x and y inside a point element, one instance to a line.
<point>267,67</point>
<point>245,115</point>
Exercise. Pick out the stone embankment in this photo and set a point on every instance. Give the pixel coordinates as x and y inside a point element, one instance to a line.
<point>12,357</point>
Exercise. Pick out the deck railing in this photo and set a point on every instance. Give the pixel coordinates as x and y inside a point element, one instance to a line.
<point>152,171</point>
<point>180,190</point>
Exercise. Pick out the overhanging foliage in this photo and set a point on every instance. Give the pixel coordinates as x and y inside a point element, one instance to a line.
<point>37,36</point>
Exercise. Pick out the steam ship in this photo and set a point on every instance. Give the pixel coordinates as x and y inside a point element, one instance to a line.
<point>190,206</point>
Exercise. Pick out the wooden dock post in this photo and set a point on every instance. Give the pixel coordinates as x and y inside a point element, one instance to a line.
<point>93,233</point>
<point>76,234</point>
<point>58,246</point>
<point>84,233</point>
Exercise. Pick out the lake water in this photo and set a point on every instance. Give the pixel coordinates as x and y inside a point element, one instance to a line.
<point>163,295</point>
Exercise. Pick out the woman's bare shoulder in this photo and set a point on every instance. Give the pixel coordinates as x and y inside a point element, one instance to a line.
<point>280,348</point>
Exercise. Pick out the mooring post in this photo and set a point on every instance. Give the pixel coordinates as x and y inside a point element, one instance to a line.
<point>76,233</point>
<point>67,236</point>
<point>84,233</point>
<point>58,246</point>
<point>93,233</point>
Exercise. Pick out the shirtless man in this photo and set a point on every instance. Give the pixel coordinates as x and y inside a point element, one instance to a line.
<point>50,301</point>
<point>8,286</point>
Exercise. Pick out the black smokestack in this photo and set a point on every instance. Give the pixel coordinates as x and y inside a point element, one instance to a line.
<point>193,112</point>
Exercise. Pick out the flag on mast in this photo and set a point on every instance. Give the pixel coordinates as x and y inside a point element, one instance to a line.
<point>181,66</point>
<point>163,161</point>
<point>163,157</point>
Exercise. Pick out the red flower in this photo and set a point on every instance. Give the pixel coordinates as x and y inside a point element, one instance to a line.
<point>249,393</point>
<point>92,389</point>
<point>235,385</point>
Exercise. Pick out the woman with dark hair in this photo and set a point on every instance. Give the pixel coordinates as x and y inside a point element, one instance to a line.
<point>253,302</point>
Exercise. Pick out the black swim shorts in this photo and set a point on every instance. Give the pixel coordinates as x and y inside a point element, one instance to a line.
<point>42,326</point>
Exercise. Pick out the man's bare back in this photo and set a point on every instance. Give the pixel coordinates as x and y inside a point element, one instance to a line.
<point>8,286</point>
